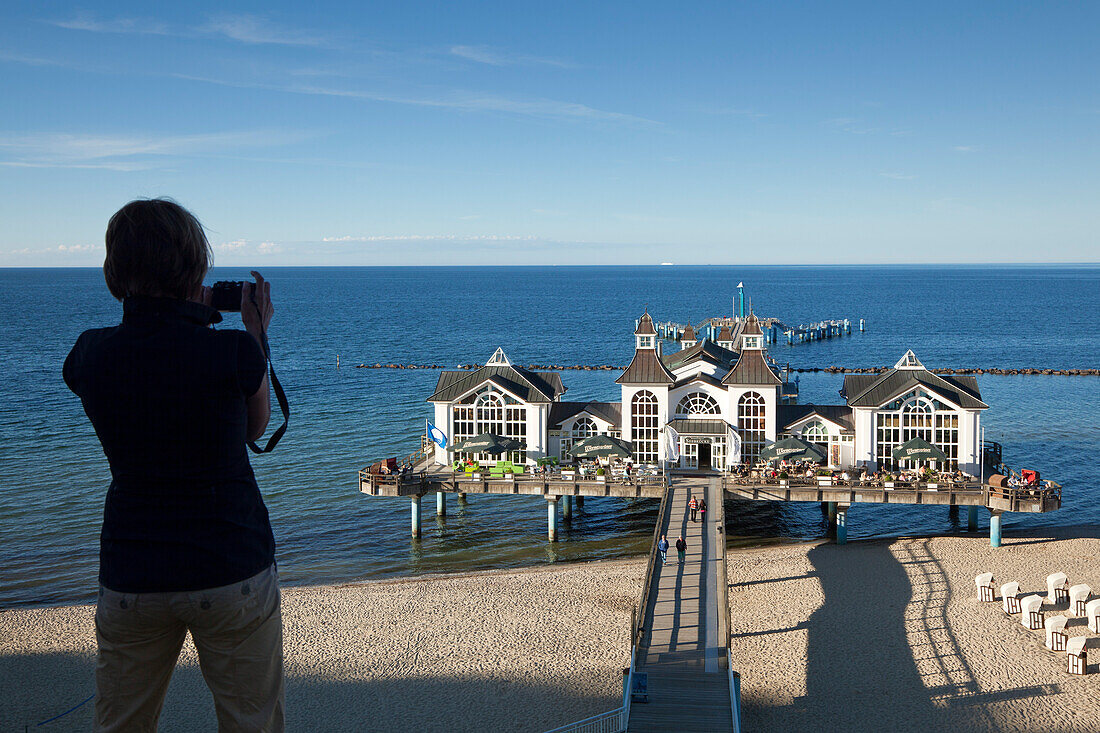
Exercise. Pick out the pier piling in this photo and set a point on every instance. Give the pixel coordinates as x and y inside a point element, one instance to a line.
<point>440,504</point>
<point>567,509</point>
<point>416,516</point>
<point>972,519</point>
<point>841,523</point>
<point>994,528</point>
<point>552,518</point>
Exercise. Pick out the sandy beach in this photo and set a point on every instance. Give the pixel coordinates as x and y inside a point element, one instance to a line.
<point>877,635</point>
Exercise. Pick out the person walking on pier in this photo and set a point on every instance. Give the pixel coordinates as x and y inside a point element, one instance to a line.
<point>693,505</point>
<point>681,548</point>
<point>702,510</point>
<point>662,547</point>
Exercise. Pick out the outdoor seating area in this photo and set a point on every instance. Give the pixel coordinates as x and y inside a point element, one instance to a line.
<point>1057,633</point>
<point>807,473</point>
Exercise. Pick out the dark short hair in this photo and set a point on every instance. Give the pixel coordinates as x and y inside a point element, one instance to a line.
<point>155,247</point>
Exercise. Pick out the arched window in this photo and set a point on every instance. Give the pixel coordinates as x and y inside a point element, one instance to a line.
<point>698,403</point>
<point>584,428</point>
<point>815,432</point>
<point>750,426</point>
<point>644,427</point>
<point>489,414</point>
<point>916,415</point>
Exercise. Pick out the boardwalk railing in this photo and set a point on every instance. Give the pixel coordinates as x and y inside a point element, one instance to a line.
<point>638,614</point>
<point>1014,495</point>
<point>724,619</point>
<point>613,721</point>
<point>825,482</point>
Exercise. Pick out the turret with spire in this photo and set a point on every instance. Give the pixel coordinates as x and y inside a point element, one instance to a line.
<point>687,339</point>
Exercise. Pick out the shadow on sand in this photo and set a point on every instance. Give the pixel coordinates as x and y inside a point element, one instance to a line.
<point>38,687</point>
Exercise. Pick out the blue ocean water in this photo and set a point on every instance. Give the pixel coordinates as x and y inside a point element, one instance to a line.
<point>53,475</point>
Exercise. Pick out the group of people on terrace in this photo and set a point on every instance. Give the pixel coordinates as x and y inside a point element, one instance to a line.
<point>810,472</point>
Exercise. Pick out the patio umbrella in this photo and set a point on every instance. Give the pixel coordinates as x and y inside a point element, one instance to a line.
<point>917,449</point>
<point>601,446</point>
<point>792,449</point>
<point>488,443</point>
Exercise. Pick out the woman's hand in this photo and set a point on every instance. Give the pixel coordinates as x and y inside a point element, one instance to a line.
<point>256,316</point>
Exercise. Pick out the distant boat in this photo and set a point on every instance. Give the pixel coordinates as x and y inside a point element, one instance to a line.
<point>668,263</point>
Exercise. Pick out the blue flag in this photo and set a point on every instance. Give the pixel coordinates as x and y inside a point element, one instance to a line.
<point>437,436</point>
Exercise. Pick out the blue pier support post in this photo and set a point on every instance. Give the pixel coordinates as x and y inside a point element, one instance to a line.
<point>790,336</point>
<point>416,516</point>
<point>972,519</point>
<point>994,528</point>
<point>842,524</point>
<point>440,504</point>
<point>861,325</point>
<point>580,502</point>
<point>552,518</point>
<point>567,509</point>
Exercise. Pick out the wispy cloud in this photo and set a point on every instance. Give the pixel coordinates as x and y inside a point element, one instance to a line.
<point>737,112</point>
<point>897,176</point>
<point>255,29</point>
<point>18,58</point>
<point>498,57</point>
<point>459,100</point>
<point>87,22</point>
<point>125,152</point>
<point>966,148</point>
<point>855,126</point>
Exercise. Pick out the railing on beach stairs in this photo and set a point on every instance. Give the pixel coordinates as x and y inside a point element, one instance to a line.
<point>613,721</point>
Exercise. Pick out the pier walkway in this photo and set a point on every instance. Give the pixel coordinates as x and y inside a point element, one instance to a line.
<point>683,649</point>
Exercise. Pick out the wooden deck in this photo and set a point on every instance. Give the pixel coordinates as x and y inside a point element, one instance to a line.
<point>681,651</point>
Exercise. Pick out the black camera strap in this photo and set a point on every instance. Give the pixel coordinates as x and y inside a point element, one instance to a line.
<point>279,395</point>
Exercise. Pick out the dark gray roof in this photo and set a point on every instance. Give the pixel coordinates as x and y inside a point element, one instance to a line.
<point>698,426</point>
<point>527,385</point>
<point>689,334</point>
<point>646,368</point>
<point>699,378</point>
<point>787,415</point>
<point>705,350</point>
<point>875,390</point>
<point>751,369</point>
<point>724,334</point>
<point>645,326</point>
<point>612,412</point>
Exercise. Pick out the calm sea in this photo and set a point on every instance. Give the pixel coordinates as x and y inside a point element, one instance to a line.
<point>53,475</point>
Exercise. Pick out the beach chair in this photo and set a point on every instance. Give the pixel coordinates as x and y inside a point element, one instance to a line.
<point>1092,613</point>
<point>985,587</point>
<point>1078,597</point>
<point>1078,655</point>
<point>1031,614</point>
<point>1057,588</point>
<point>1010,597</point>
<point>1056,633</point>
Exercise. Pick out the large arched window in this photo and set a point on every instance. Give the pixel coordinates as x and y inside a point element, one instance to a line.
<point>816,433</point>
<point>916,415</point>
<point>584,428</point>
<point>698,403</point>
<point>491,412</point>
<point>644,427</point>
<point>750,426</point>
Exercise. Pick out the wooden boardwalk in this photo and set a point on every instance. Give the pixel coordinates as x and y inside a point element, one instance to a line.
<point>680,651</point>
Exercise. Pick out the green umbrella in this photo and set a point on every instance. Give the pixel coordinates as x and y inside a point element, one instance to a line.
<point>601,446</point>
<point>488,443</point>
<point>792,449</point>
<point>917,449</point>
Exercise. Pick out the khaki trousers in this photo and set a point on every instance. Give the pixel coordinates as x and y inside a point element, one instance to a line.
<point>238,633</point>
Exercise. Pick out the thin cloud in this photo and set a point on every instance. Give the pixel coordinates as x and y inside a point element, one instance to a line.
<point>254,29</point>
<point>113,152</point>
<point>463,101</point>
<point>897,176</point>
<point>735,112</point>
<point>495,57</point>
<point>966,148</point>
<point>86,22</point>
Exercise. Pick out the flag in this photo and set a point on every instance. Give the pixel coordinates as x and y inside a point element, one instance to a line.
<point>733,455</point>
<point>673,444</point>
<point>438,437</point>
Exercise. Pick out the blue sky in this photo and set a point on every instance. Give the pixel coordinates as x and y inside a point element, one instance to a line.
<point>539,133</point>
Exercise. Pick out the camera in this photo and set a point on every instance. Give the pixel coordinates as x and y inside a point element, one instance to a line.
<point>226,295</point>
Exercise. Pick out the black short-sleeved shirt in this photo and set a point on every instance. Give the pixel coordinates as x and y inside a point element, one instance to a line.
<point>167,397</point>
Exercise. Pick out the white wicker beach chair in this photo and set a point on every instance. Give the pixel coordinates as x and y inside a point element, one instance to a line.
<point>1010,597</point>
<point>1056,633</point>
<point>1078,655</point>
<point>1078,597</point>
<point>985,587</point>
<point>1092,613</point>
<point>1031,614</point>
<point>1057,588</point>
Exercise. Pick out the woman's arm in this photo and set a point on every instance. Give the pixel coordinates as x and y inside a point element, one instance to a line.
<point>256,319</point>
